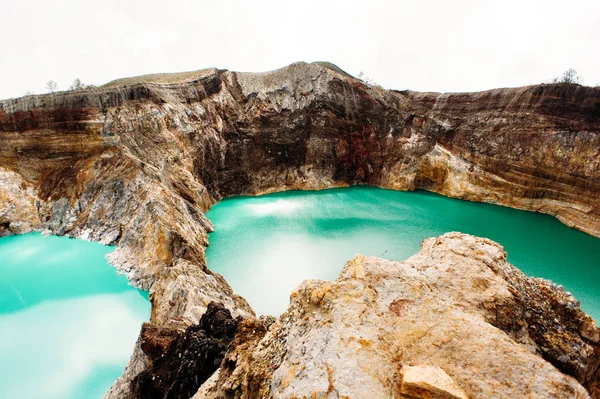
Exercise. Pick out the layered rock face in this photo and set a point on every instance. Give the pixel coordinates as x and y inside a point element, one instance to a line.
<point>136,165</point>
<point>454,321</point>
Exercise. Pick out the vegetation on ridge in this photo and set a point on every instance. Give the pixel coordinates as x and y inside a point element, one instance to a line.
<point>164,78</point>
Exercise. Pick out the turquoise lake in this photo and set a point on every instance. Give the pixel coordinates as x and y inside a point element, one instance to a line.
<point>68,322</point>
<point>266,246</point>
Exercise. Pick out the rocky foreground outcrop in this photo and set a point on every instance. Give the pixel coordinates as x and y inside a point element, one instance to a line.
<point>137,163</point>
<point>454,321</point>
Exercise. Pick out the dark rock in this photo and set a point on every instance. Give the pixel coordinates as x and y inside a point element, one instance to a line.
<point>182,360</point>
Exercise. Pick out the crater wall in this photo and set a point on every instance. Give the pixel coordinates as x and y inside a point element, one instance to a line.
<point>136,165</point>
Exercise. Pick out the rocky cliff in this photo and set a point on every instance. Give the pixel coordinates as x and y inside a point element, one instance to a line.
<point>454,321</point>
<point>136,163</point>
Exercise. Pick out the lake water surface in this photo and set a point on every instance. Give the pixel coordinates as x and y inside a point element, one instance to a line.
<point>68,322</point>
<point>266,246</point>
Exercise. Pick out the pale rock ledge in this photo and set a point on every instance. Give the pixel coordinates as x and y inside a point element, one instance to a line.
<point>429,381</point>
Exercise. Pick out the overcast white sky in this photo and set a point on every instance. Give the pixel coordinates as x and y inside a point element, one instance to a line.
<point>422,45</point>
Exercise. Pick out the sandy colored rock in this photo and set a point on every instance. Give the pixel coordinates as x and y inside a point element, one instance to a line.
<point>18,205</point>
<point>429,382</point>
<point>449,321</point>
